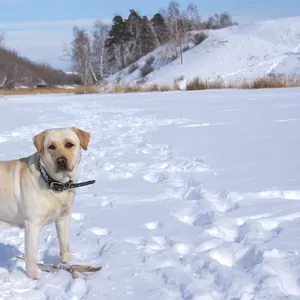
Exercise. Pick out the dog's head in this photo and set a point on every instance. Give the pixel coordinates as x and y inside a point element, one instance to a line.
<point>60,150</point>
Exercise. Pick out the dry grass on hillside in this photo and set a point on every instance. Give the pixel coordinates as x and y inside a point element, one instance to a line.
<point>193,85</point>
<point>134,88</point>
<point>273,82</point>
<point>260,83</point>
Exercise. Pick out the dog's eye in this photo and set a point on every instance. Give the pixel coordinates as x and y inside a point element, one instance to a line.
<point>52,147</point>
<point>69,145</point>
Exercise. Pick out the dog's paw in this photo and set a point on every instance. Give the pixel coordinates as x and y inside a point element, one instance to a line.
<point>63,265</point>
<point>32,272</point>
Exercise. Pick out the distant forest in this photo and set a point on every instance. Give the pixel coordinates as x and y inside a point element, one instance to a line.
<point>110,48</point>
<point>17,71</point>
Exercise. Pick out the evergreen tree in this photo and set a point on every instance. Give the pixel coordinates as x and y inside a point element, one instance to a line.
<point>134,26</point>
<point>133,23</point>
<point>146,39</point>
<point>160,28</point>
<point>117,38</point>
<point>141,40</point>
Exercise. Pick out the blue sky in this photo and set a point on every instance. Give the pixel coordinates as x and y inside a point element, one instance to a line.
<point>40,29</point>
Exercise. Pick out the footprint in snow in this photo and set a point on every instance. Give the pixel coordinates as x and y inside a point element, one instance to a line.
<point>155,244</point>
<point>153,225</point>
<point>78,216</point>
<point>156,177</point>
<point>100,231</point>
<point>106,204</point>
<point>2,139</point>
<point>182,249</point>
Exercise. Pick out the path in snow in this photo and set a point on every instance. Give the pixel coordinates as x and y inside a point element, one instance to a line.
<point>189,201</point>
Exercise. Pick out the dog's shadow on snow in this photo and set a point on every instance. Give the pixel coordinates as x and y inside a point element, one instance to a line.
<point>9,252</point>
<point>7,256</point>
<point>51,259</point>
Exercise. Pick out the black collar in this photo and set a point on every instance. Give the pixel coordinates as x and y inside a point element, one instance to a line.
<point>59,186</point>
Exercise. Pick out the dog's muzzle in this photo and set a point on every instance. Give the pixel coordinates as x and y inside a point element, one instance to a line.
<point>62,164</point>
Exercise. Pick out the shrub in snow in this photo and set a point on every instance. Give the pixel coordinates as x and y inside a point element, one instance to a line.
<point>147,68</point>
<point>150,60</point>
<point>199,38</point>
<point>185,48</point>
<point>133,68</point>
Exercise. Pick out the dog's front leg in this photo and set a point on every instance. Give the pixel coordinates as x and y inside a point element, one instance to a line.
<point>32,231</point>
<point>63,229</point>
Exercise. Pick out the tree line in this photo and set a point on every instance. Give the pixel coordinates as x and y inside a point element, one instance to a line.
<point>110,48</point>
<point>16,70</point>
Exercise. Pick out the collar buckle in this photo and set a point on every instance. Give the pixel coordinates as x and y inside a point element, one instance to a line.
<point>56,186</point>
<point>60,187</point>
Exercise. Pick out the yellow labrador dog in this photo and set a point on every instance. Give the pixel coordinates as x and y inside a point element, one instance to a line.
<point>39,189</point>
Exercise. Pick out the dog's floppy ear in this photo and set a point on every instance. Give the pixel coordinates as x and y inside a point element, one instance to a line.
<point>84,137</point>
<point>38,141</point>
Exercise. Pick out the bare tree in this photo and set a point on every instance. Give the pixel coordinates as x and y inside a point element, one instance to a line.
<point>9,68</point>
<point>10,76</point>
<point>179,24</point>
<point>2,40</point>
<point>226,20</point>
<point>219,21</point>
<point>81,55</point>
<point>192,17</point>
<point>100,35</point>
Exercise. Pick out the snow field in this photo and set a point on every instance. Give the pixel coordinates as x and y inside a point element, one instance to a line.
<point>197,196</point>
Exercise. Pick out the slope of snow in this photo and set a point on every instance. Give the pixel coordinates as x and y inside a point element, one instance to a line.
<point>244,52</point>
<point>159,58</point>
<point>197,196</point>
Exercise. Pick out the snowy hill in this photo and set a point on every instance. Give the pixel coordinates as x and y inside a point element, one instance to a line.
<point>155,60</point>
<point>197,201</point>
<point>236,53</point>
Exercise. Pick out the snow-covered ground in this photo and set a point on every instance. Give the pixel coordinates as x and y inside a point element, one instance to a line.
<point>244,52</point>
<point>197,196</point>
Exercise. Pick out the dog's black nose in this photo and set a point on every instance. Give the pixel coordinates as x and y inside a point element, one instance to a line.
<point>61,163</point>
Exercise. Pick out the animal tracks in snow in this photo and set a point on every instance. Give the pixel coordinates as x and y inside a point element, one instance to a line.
<point>78,216</point>
<point>100,231</point>
<point>154,225</point>
<point>159,230</point>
